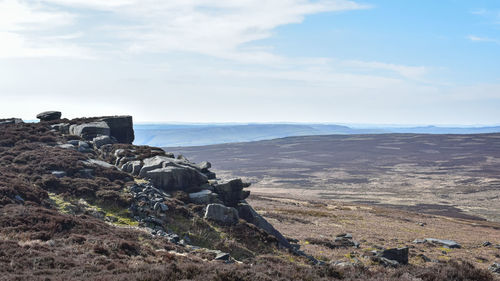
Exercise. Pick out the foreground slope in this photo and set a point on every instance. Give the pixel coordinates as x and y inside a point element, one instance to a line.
<point>67,213</point>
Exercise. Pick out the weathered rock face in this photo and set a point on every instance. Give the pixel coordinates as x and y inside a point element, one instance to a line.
<point>176,178</point>
<point>204,197</point>
<point>221,214</point>
<point>90,130</point>
<point>121,128</point>
<point>49,115</point>
<point>231,192</point>
<point>102,140</point>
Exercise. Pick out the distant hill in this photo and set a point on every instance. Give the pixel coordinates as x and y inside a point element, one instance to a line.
<point>170,135</point>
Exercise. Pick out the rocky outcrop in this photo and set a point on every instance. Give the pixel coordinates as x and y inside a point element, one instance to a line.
<point>49,115</point>
<point>173,178</point>
<point>121,128</point>
<point>221,214</point>
<point>231,192</point>
<point>89,131</point>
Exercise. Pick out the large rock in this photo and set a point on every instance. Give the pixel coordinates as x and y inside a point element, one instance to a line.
<point>49,115</point>
<point>90,130</point>
<point>247,213</point>
<point>121,128</point>
<point>221,214</point>
<point>176,178</point>
<point>399,255</point>
<point>231,192</point>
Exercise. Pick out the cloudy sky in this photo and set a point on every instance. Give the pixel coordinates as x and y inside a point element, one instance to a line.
<point>337,61</point>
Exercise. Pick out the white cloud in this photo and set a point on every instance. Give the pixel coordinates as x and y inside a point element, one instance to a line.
<point>217,28</point>
<point>482,39</point>
<point>410,72</point>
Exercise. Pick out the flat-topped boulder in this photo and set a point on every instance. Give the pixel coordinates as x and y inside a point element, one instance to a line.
<point>176,178</point>
<point>91,130</point>
<point>49,115</point>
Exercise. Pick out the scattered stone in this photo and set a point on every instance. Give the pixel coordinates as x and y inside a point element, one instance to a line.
<point>222,256</point>
<point>160,207</point>
<point>102,140</point>
<point>86,173</point>
<point>422,224</point>
<point>221,214</point>
<point>59,174</point>
<point>67,146</point>
<point>446,243</point>
<point>486,244</point>
<point>385,262</point>
<point>49,115</point>
<point>419,241</point>
<point>19,199</point>
<point>344,240</point>
<point>399,255</point>
<point>495,268</point>
<point>90,130</point>
<point>497,246</point>
<point>424,258</point>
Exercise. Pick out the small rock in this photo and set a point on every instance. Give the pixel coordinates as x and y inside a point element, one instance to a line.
<point>49,115</point>
<point>222,256</point>
<point>67,146</point>
<point>495,268</point>
<point>19,199</point>
<point>59,174</point>
<point>204,166</point>
<point>486,244</point>
<point>424,258</point>
<point>73,142</point>
<point>101,140</point>
<point>419,241</point>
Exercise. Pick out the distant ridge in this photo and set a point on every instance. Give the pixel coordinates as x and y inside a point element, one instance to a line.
<point>171,135</point>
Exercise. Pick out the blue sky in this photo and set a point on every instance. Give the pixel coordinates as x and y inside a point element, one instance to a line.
<point>328,61</point>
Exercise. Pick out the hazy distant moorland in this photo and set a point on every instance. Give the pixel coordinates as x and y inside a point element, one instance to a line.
<point>205,134</point>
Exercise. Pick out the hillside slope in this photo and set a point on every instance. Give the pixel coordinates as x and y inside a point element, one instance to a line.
<point>67,212</point>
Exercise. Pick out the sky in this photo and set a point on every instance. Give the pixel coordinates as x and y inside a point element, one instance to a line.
<point>320,61</point>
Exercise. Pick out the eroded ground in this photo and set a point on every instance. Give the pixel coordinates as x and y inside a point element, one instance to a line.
<point>317,222</point>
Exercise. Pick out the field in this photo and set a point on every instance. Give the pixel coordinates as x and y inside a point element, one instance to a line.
<point>451,175</point>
